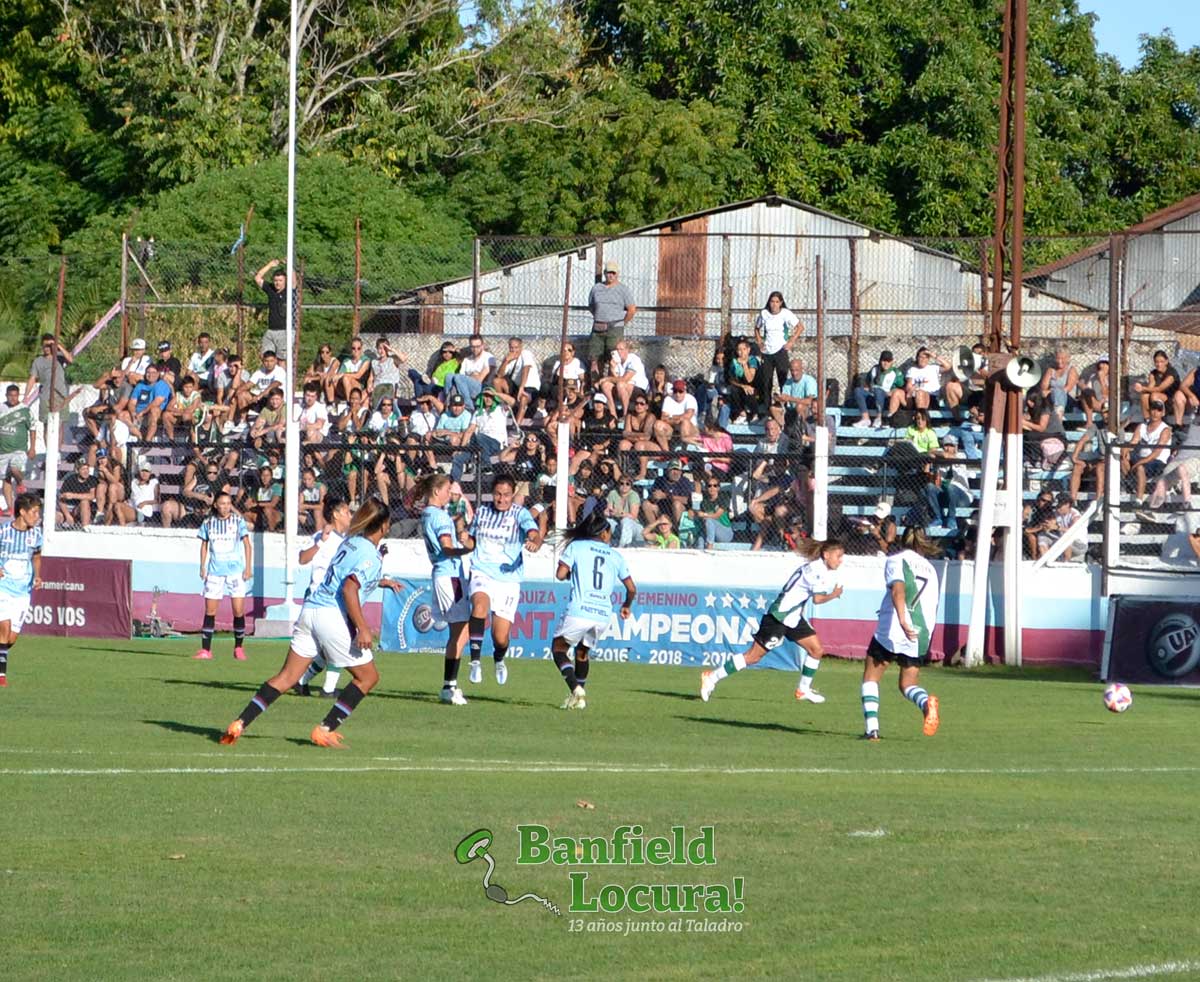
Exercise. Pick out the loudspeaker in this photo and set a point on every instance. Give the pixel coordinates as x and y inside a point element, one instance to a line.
<point>1022,372</point>
<point>966,363</point>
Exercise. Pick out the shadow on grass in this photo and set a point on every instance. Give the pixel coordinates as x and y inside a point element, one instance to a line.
<point>686,696</point>
<point>1188,695</point>
<point>209,732</point>
<point>746,724</point>
<point>214,684</point>
<point>139,649</point>
<point>1001,673</point>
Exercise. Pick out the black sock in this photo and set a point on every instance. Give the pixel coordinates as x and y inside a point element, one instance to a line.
<point>351,696</point>
<point>475,627</point>
<point>206,632</point>
<point>581,669</point>
<point>499,651</point>
<point>567,669</point>
<point>450,672</point>
<point>4,658</point>
<point>259,704</point>
<point>239,630</point>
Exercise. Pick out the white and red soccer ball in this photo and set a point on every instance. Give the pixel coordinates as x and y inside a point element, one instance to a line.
<point>1117,697</point>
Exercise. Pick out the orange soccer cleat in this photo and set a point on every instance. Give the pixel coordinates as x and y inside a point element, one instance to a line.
<point>932,720</point>
<point>326,738</point>
<point>232,732</point>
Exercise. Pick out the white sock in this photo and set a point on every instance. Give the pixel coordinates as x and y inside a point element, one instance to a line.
<point>735,663</point>
<point>870,705</point>
<point>808,668</point>
<point>331,679</point>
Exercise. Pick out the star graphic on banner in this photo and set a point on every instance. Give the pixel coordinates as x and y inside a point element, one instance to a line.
<point>744,601</point>
<point>726,600</point>
<point>709,599</point>
<point>760,602</point>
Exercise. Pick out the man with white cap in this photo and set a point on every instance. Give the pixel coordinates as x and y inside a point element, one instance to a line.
<point>131,370</point>
<point>612,309</point>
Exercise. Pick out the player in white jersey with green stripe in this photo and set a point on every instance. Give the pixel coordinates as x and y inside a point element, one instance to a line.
<point>907,618</point>
<point>785,620</point>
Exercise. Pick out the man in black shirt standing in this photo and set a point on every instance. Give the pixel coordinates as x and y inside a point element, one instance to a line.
<point>275,337</point>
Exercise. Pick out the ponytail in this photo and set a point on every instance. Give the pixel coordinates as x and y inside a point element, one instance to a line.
<point>430,483</point>
<point>372,515</point>
<point>812,549</point>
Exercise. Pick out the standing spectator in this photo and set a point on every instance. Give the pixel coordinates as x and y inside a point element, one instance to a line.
<point>679,411</point>
<point>144,407</point>
<point>775,333</point>
<point>169,369</point>
<point>627,377</point>
<point>796,397</point>
<point>745,376</point>
<point>355,372</point>
<point>200,364</point>
<point>1152,445</point>
<point>671,493</point>
<point>518,376</point>
<point>275,336</point>
<point>386,371</point>
<point>77,495</point>
<point>1162,383</point>
<point>18,445</point>
<point>53,361</point>
<point>624,506</point>
<point>713,513</point>
<point>473,373</point>
<point>878,384</point>
<point>1060,381</point>
<point>612,308</point>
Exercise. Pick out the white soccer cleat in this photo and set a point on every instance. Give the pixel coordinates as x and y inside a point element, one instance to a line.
<point>809,695</point>
<point>708,683</point>
<point>501,673</point>
<point>577,699</point>
<point>453,696</point>
<point>476,675</point>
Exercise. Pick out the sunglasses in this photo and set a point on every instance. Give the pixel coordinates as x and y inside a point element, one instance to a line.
<point>712,484</point>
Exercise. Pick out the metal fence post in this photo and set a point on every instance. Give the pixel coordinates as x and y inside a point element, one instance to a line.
<point>726,289</point>
<point>476,306</point>
<point>357,274</point>
<point>124,293</point>
<point>820,528</point>
<point>855,317</point>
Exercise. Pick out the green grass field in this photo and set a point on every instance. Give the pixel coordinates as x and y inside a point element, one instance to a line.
<point>1036,835</point>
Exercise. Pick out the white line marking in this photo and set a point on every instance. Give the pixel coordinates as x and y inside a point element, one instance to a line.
<point>513,767</point>
<point>1100,975</point>
<point>867,833</point>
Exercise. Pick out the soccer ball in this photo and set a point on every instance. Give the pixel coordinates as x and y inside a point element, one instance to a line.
<point>1117,698</point>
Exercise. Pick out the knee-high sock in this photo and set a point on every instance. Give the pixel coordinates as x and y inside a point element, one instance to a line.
<point>870,706</point>
<point>567,669</point>
<point>239,630</point>
<point>206,631</point>
<point>261,702</point>
<point>733,664</point>
<point>498,652</point>
<point>915,694</point>
<point>475,628</point>
<point>314,669</point>
<point>808,669</point>
<point>450,673</point>
<point>4,649</point>
<point>351,696</point>
<point>329,683</point>
<point>581,669</point>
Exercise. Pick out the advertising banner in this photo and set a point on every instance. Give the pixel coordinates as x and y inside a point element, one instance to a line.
<point>82,598</point>
<point>1154,641</point>
<point>699,626</point>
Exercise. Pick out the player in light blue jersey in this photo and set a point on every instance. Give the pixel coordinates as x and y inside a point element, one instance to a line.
<point>332,623</point>
<point>319,553</point>
<point>499,533</point>
<point>450,603</point>
<point>20,571</point>
<point>226,566</point>
<point>594,569</point>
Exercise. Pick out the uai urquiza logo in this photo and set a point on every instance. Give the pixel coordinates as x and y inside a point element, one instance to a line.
<point>628,846</point>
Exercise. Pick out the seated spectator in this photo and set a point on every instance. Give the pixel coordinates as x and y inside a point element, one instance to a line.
<point>474,372</point>
<point>262,506</point>
<point>314,417</point>
<point>169,368</point>
<point>271,422</point>
<point>142,410</point>
<point>251,396</point>
<point>626,379</point>
<point>452,424</point>
<point>717,445</point>
<point>312,502</point>
<point>488,430</point>
<point>1060,381</point>
<point>110,488</point>
<point>354,433</point>
<point>1065,515</point>
<point>390,378</point>
<point>1039,520</point>
<point>1094,389</point>
<point>1184,469</point>
<point>355,372</point>
<point>185,410</point>
<point>670,493</point>
<point>658,386</point>
<point>77,496</point>
<point>526,460</point>
<point>433,384</point>
<point>1045,441</point>
<point>1186,397</point>
<point>923,384</point>
<point>324,373</point>
<point>921,435</point>
<point>712,513</point>
<point>200,489</point>
<point>637,436</point>
<point>624,507</point>
<point>782,524</point>
<point>1182,548</point>
<point>422,421</point>
<point>1148,457</point>
<point>660,533</point>
<point>872,535</point>
<point>1087,457</point>
<point>876,390</point>
<point>597,435</point>
<point>1161,384</point>
<point>745,384</point>
<point>200,365</point>
<point>574,405</point>
<point>969,432</point>
<point>131,370</point>
<point>386,420</point>
<point>107,398</point>
<point>518,376</point>
<point>950,488</point>
<point>678,418</point>
<point>144,498</point>
<point>797,396</point>
<point>712,396</point>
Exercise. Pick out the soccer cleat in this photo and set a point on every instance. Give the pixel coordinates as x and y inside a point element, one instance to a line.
<point>239,653</point>
<point>931,716</point>
<point>330,695</point>
<point>873,736</point>
<point>232,732</point>
<point>577,699</point>
<point>501,673</point>
<point>476,675</point>
<point>707,684</point>
<point>202,655</point>
<point>3,681</point>
<point>452,696</point>
<point>301,689</point>
<point>326,738</point>
<point>809,695</point>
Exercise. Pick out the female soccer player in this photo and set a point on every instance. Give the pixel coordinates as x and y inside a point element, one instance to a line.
<point>332,622</point>
<point>593,568</point>
<point>225,571</point>
<point>785,619</point>
<point>20,571</point>
<point>497,535</point>
<point>450,602</point>
<point>325,545</point>
<point>907,618</point>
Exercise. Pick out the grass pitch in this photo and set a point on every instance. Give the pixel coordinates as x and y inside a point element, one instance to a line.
<point>1036,835</point>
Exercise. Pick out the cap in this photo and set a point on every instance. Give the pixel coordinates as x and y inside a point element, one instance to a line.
<point>138,343</point>
<point>143,464</point>
<point>456,400</point>
<point>676,464</point>
<point>164,345</point>
<point>611,267</point>
<point>600,397</point>
<point>1103,360</point>
<point>1157,404</point>
<point>883,510</point>
<point>886,355</point>
<point>679,385</point>
<point>950,440</point>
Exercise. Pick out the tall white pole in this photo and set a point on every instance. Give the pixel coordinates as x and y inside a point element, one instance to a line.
<point>291,459</point>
